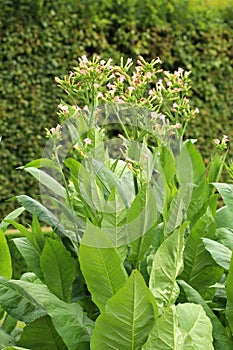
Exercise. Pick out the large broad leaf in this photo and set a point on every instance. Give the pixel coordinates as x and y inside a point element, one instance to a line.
<point>41,335</point>
<point>142,217</point>
<point>196,327</point>
<point>113,221</point>
<point>47,180</point>
<point>166,334</point>
<point>221,339</point>
<point>5,257</point>
<point>220,253</point>
<point>200,270</point>
<point>229,293</point>
<point>30,254</point>
<point>183,327</point>
<point>226,191</point>
<point>58,268</point>
<point>68,319</point>
<point>18,302</point>
<point>101,265</point>
<point>167,265</point>
<point>127,319</point>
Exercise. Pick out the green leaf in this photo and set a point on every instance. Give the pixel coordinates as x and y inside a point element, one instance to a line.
<point>68,319</point>
<point>229,293</point>
<point>196,327</point>
<point>5,339</point>
<point>30,254</point>
<point>225,236</point>
<point>166,334</point>
<point>41,335</point>
<point>178,207</point>
<point>5,257</point>
<point>220,253</point>
<point>114,215</point>
<point>19,303</point>
<point>168,165</point>
<point>200,270</point>
<point>184,326</point>
<point>167,265</point>
<point>127,319</point>
<point>58,268</point>
<point>47,180</point>
<point>224,217</point>
<point>221,339</point>
<point>13,215</point>
<point>43,214</point>
<point>42,162</point>
<point>142,217</point>
<point>101,266</point>
<point>183,161</point>
<point>215,169</point>
<point>226,191</point>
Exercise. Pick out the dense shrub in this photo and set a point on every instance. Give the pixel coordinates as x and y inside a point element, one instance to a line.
<point>42,39</point>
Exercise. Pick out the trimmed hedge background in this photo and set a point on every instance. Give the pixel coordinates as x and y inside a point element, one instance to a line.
<point>42,39</point>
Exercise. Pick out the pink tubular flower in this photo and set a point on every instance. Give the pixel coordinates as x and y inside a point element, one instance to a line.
<point>100,94</point>
<point>196,110</point>
<point>148,75</point>
<point>87,141</point>
<point>177,126</point>
<point>122,78</point>
<point>96,85</point>
<point>63,108</point>
<point>175,105</point>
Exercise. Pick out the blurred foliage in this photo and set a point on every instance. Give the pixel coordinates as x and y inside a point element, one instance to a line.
<point>42,39</point>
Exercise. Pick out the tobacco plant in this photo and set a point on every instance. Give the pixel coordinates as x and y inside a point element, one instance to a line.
<point>138,255</point>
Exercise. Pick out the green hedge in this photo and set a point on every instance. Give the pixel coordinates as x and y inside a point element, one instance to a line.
<point>42,39</point>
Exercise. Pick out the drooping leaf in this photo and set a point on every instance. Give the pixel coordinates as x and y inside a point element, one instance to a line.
<point>167,265</point>
<point>5,257</point>
<point>68,319</point>
<point>41,335</point>
<point>127,319</point>
<point>43,214</point>
<point>200,270</point>
<point>19,303</point>
<point>42,162</point>
<point>30,254</point>
<point>47,181</point>
<point>12,216</point>
<point>58,268</point>
<point>224,217</point>
<point>226,191</point>
<point>220,253</point>
<point>221,339</point>
<point>101,265</point>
